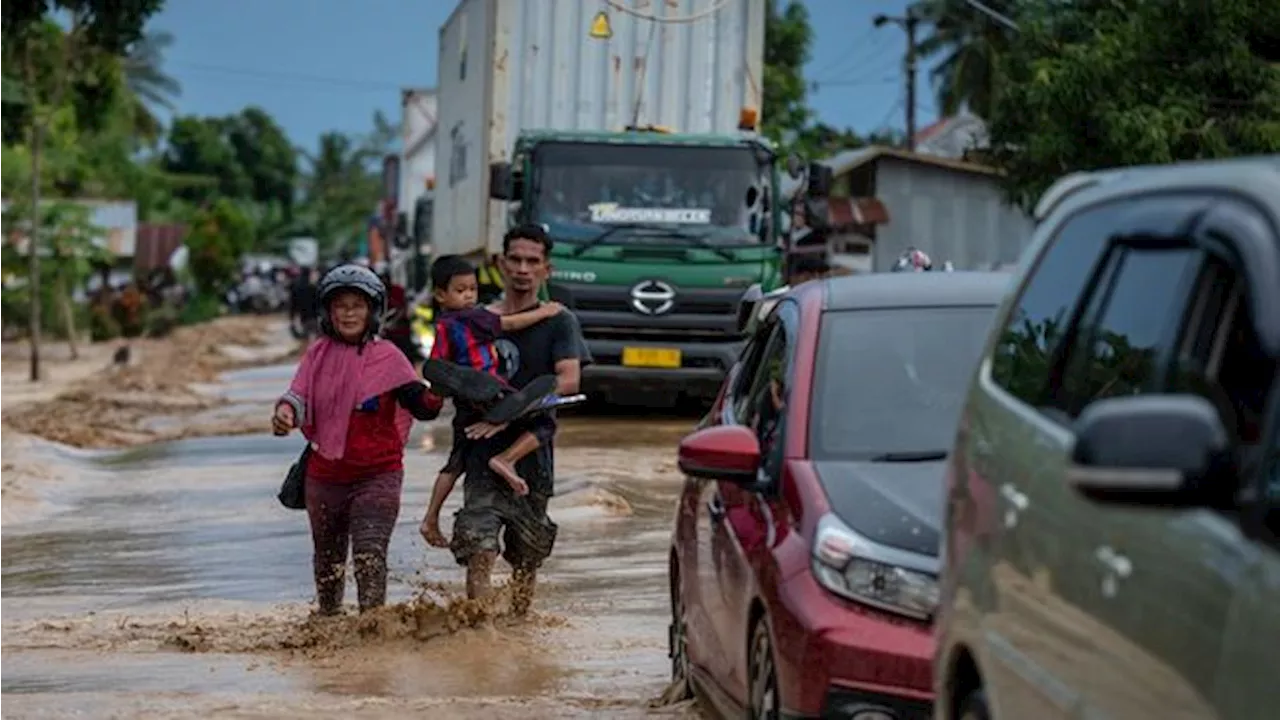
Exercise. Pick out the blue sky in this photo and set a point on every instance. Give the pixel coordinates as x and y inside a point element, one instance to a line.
<point>319,65</point>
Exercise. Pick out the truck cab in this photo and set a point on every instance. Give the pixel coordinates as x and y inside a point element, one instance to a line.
<point>657,237</point>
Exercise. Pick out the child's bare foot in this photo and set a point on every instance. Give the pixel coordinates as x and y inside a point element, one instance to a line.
<point>508,473</point>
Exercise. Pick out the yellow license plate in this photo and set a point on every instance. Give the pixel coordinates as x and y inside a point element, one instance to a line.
<point>650,357</point>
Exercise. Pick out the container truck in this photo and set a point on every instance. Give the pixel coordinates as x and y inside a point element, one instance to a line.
<point>632,137</point>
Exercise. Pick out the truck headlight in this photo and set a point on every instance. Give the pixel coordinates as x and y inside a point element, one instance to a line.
<point>856,568</point>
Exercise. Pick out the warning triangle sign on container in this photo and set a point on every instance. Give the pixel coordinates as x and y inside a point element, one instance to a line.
<point>600,29</point>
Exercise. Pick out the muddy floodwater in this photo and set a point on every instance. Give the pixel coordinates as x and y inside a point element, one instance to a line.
<point>165,581</point>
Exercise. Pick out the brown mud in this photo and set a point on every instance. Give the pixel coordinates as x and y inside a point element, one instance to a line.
<point>97,403</point>
<point>165,582</point>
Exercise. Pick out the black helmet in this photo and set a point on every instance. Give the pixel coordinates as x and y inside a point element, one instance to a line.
<point>362,280</point>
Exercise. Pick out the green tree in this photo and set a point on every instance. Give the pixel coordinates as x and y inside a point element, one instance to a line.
<point>151,86</point>
<point>1096,85</point>
<point>94,28</point>
<point>787,39</point>
<point>822,140</point>
<point>970,44</point>
<point>265,154</point>
<point>218,234</point>
<point>341,187</point>
<point>245,156</point>
<point>74,253</point>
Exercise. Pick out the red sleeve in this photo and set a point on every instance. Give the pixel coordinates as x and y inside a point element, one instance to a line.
<point>440,348</point>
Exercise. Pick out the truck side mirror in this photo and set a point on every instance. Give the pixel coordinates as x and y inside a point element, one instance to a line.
<point>795,166</point>
<point>504,184</point>
<point>821,179</point>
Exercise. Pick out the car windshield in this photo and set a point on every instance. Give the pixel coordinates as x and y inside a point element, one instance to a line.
<point>584,189</point>
<point>889,383</point>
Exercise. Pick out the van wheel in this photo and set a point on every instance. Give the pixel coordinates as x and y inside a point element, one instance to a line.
<point>765,703</point>
<point>974,706</point>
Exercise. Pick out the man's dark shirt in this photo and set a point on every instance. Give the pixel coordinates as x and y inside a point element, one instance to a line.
<point>537,349</point>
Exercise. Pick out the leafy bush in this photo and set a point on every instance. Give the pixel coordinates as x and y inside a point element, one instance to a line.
<point>162,320</point>
<point>200,308</point>
<point>219,234</point>
<point>102,326</point>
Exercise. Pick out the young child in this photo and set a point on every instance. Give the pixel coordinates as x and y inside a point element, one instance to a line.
<point>465,364</point>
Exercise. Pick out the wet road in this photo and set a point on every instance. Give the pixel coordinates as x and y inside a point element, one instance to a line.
<point>166,581</point>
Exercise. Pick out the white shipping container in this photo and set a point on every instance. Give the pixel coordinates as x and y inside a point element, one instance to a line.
<point>418,145</point>
<point>512,65</point>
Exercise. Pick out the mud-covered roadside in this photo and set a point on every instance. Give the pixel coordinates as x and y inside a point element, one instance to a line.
<point>96,402</point>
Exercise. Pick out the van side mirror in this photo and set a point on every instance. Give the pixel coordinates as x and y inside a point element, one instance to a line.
<point>821,178</point>
<point>504,182</point>
<point>1152,450</point>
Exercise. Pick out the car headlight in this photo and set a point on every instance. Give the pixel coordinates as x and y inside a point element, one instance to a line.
<point>854,567</point>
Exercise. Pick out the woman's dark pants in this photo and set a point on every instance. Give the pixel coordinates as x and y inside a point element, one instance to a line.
<point>361,515</point>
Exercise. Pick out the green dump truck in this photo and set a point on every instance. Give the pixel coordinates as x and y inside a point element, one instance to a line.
<point>658,230</point>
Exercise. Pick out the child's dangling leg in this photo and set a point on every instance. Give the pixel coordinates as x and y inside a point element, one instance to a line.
<point>504,463</point>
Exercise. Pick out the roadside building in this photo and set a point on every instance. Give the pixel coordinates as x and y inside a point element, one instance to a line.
<point>888,200</point>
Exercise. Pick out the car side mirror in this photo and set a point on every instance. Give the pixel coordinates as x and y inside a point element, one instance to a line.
<point>504,182</point>
<point>725,452</point>
<point>1152,450</point>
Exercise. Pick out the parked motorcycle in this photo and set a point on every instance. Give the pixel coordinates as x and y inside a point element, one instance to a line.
<point>422,328</point>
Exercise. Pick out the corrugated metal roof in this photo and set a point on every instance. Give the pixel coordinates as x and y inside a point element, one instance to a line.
<point>851,159</point>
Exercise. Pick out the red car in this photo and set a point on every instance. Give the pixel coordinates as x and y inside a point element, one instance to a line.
<point>805,552</point>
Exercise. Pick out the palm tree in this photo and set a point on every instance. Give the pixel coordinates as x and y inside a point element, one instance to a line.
<point>152,88</point>
<point>970,44</point>
<point>341,188</point>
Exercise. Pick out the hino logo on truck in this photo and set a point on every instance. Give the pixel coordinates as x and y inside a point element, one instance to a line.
<point>653,297</point>
<point>578,275</point>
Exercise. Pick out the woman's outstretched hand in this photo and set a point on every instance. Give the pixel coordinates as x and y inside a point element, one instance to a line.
<point>284,419</point>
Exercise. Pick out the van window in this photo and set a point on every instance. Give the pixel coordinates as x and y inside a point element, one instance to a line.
<point>1124,347</point>
<point>1020,363</point>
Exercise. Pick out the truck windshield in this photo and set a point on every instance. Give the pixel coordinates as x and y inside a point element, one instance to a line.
<point>584,189</point>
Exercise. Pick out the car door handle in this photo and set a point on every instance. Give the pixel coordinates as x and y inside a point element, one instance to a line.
<point>1017,501</point>
<point>715,508</point>
<point>1118,567</point>
<point>1014,496</point>
<point>1114,562</point>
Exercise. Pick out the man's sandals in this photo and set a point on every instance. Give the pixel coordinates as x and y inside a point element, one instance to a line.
<point>481,389</point>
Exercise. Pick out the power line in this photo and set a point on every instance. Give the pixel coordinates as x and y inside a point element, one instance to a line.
<point>292,78</point>
<point>893,110</point>
<point>856,46</point>
<point>861,82</point>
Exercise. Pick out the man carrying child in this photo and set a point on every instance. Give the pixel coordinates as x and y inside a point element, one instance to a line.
<point>508,465</point>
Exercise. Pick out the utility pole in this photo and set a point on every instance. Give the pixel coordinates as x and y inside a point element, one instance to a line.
<point>909,23</point>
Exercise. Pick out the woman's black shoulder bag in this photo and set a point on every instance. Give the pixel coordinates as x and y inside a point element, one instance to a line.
<point>293,492</point>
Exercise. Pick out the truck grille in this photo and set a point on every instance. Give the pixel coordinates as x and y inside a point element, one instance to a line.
<point>691,306</point>
<point>607,312</point>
